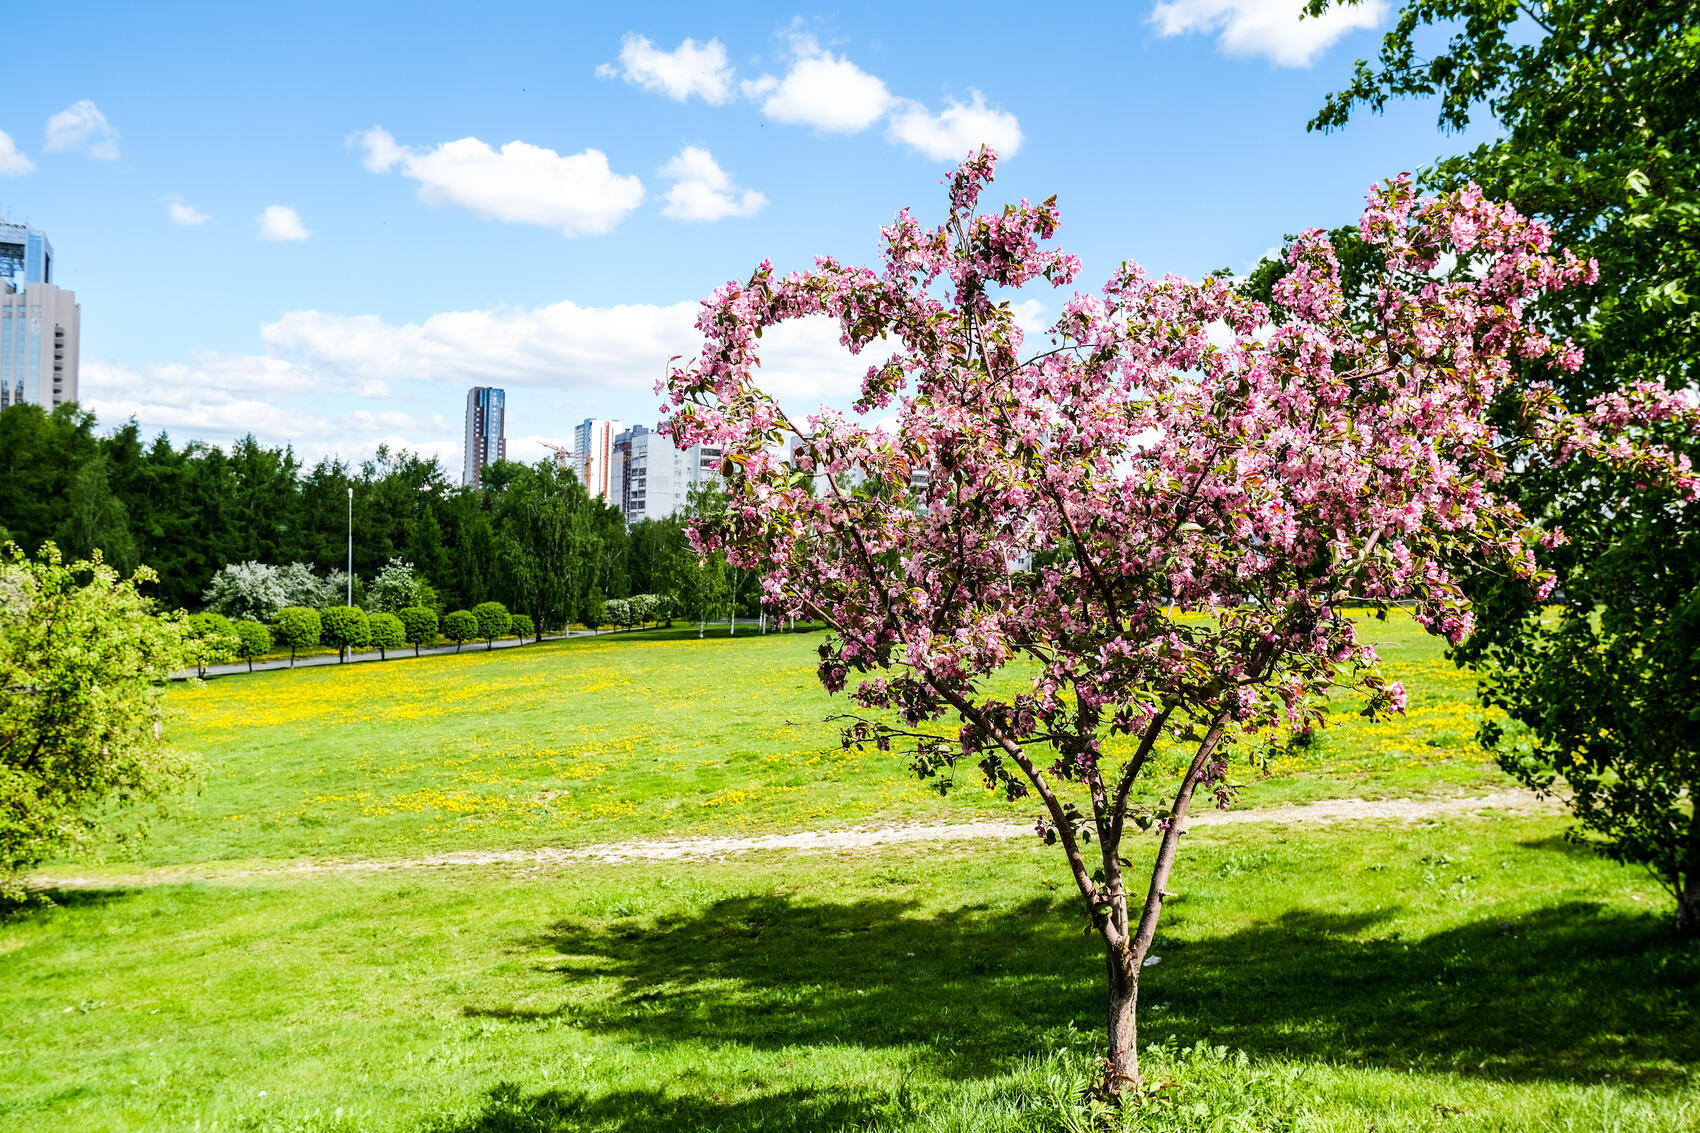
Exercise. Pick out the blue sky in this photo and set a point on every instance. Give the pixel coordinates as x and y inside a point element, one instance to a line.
<point>322,223</point>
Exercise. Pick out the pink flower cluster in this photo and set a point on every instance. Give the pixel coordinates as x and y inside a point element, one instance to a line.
<point>1167,506</point>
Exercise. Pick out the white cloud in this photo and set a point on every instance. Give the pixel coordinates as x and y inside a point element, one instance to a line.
<point>577,194</point>
<point>619,350</point>
<point>184,214</point>
<point>220,398</point>
<point>12,161</point>
<point>820,90</point>
<point>340,386</point>
<point>703,191</point>
<point>686,70</point>
<point>956,131</point>
<point>1272,28</point>
<point>82,128</point>
<point>280,222</point>
<point>382,152</point>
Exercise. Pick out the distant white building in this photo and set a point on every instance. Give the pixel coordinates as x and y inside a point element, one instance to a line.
<point>594,458</point>
<point>653,479</point>
<point>40,323</point>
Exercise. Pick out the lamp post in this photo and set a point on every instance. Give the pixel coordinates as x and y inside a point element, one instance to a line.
<point>351,544</point>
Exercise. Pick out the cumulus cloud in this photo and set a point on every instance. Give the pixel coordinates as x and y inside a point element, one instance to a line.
<point>184,214</point>
<point>216,396</point>
<point>220,398</point>
<point>280,222</point>
<point>703,191</point>
<point>576,194</point>
<point>12,161</point>
<point>821,90</point>
<point>82,128</point>
<point>1271,28</point>
<point>686,70</point>
<point>956,131</point>
<point>341,385</point>
<point>617,349</point>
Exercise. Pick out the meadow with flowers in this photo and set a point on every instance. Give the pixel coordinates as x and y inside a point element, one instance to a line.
<point>633,736</point>
<point>1445,973</point>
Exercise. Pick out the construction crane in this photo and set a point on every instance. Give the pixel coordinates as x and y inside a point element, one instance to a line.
<point>563,456</point>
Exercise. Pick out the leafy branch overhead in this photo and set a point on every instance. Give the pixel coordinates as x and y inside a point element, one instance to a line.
<point>1598,103</point>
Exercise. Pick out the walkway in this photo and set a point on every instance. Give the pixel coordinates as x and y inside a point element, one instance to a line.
<point>405,653</point>
<point>818,841</point>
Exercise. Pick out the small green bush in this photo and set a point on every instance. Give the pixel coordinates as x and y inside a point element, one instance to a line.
<point>252,640</point>
<point>493,621</point>
<point>346,628</point>
<point>522,626</point>
<point>297,627</point>
<point>211,639</point>
<point>596,610</point>
<point>460,627</point>
<point>420,623</point>
<point>387,633</point>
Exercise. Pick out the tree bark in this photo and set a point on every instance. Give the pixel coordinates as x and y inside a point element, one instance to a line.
<point>1688,896</point>
<point>1121,1055</point>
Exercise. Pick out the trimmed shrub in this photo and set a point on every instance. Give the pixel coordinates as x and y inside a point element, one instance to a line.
<point>596,610</point>
<point>297,627</point>
<point>460,627</point>
<point>211,640</point>
<point>522,626</point>
<point>493,621</point>
<point>346,628</point>
<point>252,640</point>
<point>420,622</point>
<point>387,633</point>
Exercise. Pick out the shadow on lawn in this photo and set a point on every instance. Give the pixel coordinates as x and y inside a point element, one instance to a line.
<point>49,899</point>
<point>1567,992</point>
<point>509,1110</point>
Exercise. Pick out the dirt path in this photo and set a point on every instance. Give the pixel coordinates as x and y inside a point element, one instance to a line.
<point>812,841</point>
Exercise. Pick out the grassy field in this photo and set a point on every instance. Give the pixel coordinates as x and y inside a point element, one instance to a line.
<point>1476,973</point>
<point>650,734</point>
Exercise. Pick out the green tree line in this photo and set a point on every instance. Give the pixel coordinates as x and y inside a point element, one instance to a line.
<point>530,538</point>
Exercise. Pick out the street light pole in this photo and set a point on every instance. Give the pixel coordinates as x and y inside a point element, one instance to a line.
<point>351,545</point>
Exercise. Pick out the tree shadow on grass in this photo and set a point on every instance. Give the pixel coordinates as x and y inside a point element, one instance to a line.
<point>1567,992</point>
<point>974,987</point>
<point>508,1109</point>
<point>49,899</point>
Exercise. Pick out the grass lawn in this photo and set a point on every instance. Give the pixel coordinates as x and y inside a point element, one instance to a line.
<point>1476,973</point>
<point>604,738</point>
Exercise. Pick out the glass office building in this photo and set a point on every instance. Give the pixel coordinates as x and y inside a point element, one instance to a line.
<point>40,323</point>
<point>486,435</point>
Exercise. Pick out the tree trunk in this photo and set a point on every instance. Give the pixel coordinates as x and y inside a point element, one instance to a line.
<point>1688,893</point>
<point>1121,1054</point>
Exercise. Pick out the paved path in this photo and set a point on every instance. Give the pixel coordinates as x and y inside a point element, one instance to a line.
<point>749,625</point>
<point>817,841</point>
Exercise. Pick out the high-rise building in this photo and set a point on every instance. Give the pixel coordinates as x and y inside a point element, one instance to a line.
<point>25,255</point>
<point>486,433</point>
<point>594,459</point>
<point>40,323</point>
<point>654,478</point>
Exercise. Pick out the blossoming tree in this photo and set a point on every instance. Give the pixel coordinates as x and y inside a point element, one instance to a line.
<point>1160,513</point>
